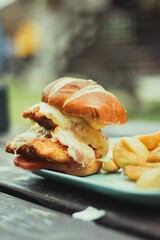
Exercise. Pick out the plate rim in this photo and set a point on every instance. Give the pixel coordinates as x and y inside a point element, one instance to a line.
<point>87,180</point>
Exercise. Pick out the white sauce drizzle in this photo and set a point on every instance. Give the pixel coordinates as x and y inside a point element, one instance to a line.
<point>77,149</point>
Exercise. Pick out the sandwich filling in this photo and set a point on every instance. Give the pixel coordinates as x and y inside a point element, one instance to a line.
<point>77,150</point>
<point>81,140</point>
<point>78,126</point>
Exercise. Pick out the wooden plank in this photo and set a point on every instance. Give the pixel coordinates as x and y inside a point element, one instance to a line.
<point>20,219</point>
<point>120,215</point>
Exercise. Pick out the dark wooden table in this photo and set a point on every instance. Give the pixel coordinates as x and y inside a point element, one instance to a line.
<point>32,207</point>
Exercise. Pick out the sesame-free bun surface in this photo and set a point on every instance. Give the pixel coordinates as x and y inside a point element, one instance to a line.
<point>86,99</point>
<point>86,171</point>
<point>68,168</point>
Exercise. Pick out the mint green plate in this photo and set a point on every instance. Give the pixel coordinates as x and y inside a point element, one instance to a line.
<point>110,184</point>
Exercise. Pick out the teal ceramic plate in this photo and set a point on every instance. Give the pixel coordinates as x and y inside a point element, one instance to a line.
<point>116,185</point>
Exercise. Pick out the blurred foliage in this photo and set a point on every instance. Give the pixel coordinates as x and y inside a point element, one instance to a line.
<point>20,97</point>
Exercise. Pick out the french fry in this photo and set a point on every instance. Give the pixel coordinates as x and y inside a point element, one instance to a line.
<point>129,151</point>
<point>151,141</point>
<point>110,166</point>
<point>140,158</point>
<point>134,172</point>
<point>154,155</point>
<point>149,179</point>
<point>136,147</point>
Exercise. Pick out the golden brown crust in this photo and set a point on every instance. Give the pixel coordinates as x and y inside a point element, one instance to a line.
<point>40,118</point>
<point>54,153</point>
<point>89,170</point>
<point>43,149</point>
<point>8,147</point>
<point>51,155</point>
<point>100,105</point>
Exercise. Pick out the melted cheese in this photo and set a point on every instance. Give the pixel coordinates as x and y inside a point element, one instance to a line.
<point>77,149</point>
<point>34,132</point>
<point>79,126</point>
<point>95,124</point>
<point>54,114</point>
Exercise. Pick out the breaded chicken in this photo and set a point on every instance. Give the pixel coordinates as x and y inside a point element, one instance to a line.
<point>43,149</point>
<point>41,119</point>
<point>50,118</point>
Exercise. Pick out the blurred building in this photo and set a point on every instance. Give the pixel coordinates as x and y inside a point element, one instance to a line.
<point>115,42</point>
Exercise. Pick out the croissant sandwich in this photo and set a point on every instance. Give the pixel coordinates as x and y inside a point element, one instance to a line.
<point>65,134</point>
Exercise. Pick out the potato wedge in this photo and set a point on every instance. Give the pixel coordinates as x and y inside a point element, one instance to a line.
<point>150,164</point>
<point>136,147</point>
<point>151,141</point>
<point>149,179</point>
<point>134,172</point>
<point>110,166</point>
<point>129,151</point>
<point>154,155</point>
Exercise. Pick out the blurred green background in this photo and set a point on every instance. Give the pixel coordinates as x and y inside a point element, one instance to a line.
<point>114,42</point>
